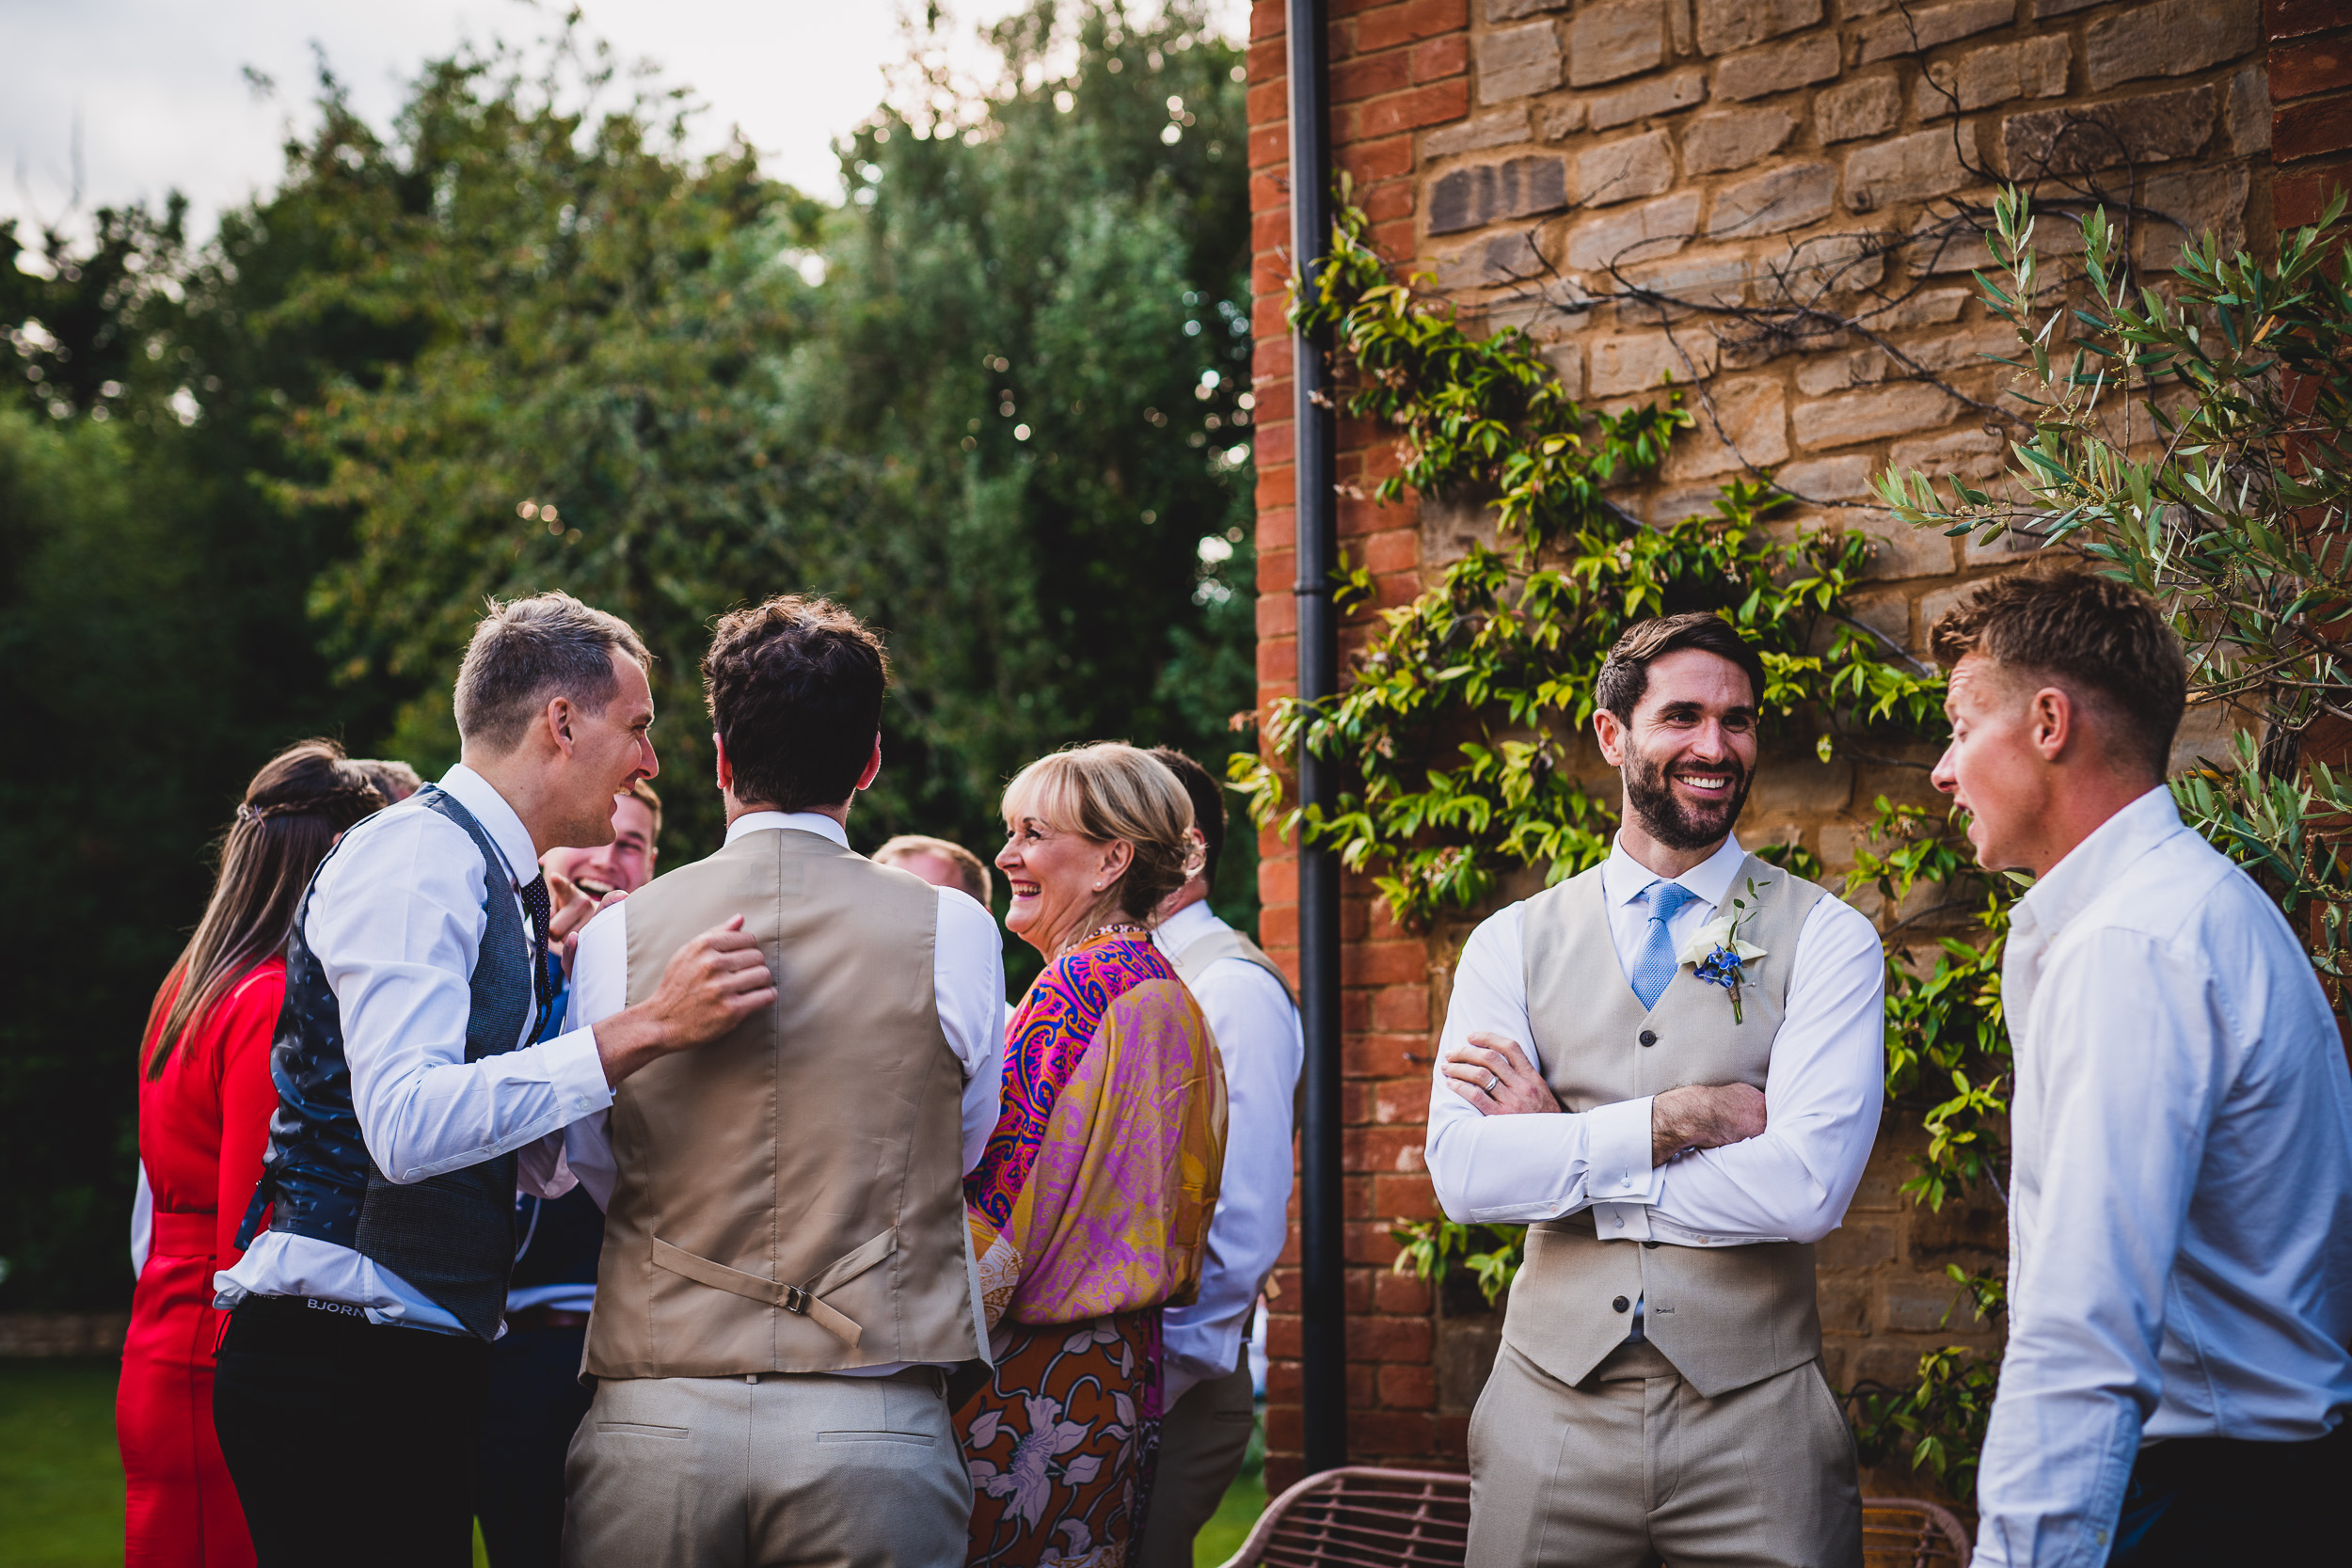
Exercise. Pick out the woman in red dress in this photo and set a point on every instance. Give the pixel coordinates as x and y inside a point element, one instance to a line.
<point>205,1101</point>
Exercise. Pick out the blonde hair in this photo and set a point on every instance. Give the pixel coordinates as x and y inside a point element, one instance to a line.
<point>1110,792</point>
<point>967,864</point>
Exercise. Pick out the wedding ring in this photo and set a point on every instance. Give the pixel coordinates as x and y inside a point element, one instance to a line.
<point>1494,1082</point>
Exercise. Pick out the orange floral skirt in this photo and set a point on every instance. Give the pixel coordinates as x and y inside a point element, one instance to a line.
<point>1061,1442</point>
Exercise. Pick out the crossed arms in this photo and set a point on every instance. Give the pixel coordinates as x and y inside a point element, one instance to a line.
<point>1700,1165</point>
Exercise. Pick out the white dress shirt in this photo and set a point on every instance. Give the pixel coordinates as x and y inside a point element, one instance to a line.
<point>1259,1038</point>
<point>1823,1090</point>
<point>2181,1198</point>
<point>967,980</point>
<point>395,922</point>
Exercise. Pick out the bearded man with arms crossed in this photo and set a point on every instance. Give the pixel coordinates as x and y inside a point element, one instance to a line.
<point>1675,1146</point>
<point>2176,1380</point>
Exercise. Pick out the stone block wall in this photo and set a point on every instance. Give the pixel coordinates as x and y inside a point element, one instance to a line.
<point>1757,199</point>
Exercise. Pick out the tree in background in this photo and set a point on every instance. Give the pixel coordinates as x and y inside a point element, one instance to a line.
<point>520,340</point>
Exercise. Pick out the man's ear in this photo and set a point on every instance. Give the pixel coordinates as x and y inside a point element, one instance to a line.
<point>873,765</point>
<point>558,715</point>
<point>1610,731</point>
<point>727,769</point>
<point>2050,721</point>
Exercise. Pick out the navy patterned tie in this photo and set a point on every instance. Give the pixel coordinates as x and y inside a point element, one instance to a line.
<point>1654,966</point>
<point>535,903</point>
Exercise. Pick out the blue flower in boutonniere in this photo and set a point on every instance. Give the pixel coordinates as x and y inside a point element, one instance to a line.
<point>1717,955</point>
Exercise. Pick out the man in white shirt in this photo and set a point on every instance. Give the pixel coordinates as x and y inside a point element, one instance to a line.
<point>2176,1380</point>
<point>353,1371</point>
<point>1207,1394</point>
<point>1669,1067</point>
<point>786,1277</point>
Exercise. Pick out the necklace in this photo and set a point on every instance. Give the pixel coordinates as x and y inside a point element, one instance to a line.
<point>1116,928</point>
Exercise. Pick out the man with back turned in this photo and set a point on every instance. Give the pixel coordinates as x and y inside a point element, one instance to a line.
<point>787,1276</point>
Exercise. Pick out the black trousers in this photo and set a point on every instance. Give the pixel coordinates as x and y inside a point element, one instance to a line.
<point>351,1443</point>
<point>537,1402</point>
<point>2195,1502</point>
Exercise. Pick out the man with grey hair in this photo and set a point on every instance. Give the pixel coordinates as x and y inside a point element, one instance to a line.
<point>353,1370</point>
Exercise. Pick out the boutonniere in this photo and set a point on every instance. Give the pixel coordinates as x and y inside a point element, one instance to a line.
<point>1717,954</point>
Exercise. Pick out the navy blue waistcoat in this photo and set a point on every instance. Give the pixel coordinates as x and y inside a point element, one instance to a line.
<point>451,1236</point>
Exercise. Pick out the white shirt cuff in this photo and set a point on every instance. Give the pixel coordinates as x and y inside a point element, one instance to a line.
<point>1617,1147</point>
<point>577,1073</point>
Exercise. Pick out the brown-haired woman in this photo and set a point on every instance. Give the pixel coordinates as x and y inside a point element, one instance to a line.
<point>205,1100</point>
<point>1089,1209</point>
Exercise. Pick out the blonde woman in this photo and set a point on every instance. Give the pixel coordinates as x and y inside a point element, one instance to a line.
<point>1090,1209</point>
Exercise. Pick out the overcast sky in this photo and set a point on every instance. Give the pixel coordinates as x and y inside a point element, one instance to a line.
<point>158,88</point>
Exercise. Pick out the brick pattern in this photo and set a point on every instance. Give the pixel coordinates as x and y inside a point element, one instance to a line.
<point>2310,82</point>
<point>1533,155</point>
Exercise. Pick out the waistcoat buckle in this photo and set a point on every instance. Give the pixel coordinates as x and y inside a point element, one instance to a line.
<point>795,1300</point>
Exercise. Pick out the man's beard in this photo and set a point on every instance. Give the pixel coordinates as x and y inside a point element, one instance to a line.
<point>1649,796</point>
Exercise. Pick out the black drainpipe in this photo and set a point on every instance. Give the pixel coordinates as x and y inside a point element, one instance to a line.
<point>1322,1240</point>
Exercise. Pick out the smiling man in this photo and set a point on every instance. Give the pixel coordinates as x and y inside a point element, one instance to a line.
<point>415,1090</point>
<point>2180,1274</point>
<point>1677,1126</point>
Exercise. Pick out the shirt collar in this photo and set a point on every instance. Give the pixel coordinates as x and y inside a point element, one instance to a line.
<point>1187,925</point>
<point>797,821</point>
<point>2064,891</point>
<point>1623,879</point>
<point>499,819</point>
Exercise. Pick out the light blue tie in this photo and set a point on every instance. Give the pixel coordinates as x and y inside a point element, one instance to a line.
<point>1654,966</point>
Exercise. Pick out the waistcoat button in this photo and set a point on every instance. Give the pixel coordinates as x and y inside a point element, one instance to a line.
<point>1620,1304</point>
<point>1651,1244</point>
<point>1649,1037</point>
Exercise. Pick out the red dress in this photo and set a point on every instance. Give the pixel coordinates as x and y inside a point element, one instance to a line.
<point>203,1128</point>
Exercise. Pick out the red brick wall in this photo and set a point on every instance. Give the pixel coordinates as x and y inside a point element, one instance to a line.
<point>2310,96</point>
<point>1397,70</point>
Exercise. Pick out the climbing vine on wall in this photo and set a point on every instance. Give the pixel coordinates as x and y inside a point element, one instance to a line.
<point>1458,722</point>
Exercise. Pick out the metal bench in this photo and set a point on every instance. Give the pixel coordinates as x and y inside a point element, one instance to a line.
<point>1361,1517</point>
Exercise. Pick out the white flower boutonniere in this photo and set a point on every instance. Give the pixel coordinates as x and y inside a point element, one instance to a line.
<point>1717,955</point>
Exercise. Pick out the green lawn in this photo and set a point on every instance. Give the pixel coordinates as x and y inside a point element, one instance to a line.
<point>61,1481</point>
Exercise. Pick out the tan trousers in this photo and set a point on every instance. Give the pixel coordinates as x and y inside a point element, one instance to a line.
<point>779,1471</point>
<point>1203,1443</point>
<point>1633,1467</point>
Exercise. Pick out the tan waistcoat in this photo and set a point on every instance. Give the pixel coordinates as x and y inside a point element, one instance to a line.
<point>1215,947</point>
<point>791,1195</point>
<point>1726,1316</point>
